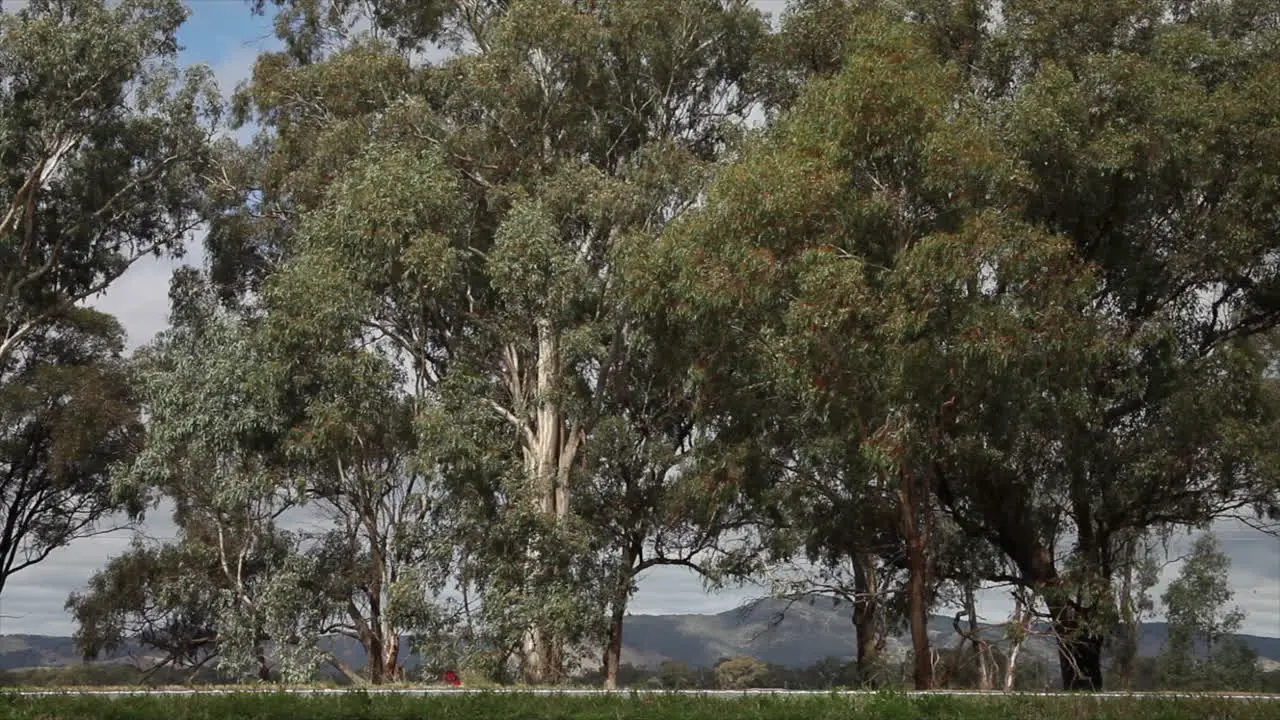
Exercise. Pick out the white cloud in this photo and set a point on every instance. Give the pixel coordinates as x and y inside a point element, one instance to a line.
<point>140,297</point>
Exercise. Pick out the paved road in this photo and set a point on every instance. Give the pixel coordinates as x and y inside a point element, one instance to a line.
<point>625,693</point>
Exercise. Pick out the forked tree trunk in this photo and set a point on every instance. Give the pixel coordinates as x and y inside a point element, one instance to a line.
<point>1079,651</point>
<point>1010,669</point>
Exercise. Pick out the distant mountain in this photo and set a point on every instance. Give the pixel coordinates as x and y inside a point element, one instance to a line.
<point>802,636</point>
<point>808,633</point>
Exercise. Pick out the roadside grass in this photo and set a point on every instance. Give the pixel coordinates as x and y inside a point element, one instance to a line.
<point>517,706</point>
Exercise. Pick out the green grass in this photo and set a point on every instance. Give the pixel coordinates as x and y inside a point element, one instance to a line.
<point>356,706</point>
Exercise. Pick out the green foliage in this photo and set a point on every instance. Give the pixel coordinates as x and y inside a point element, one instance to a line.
<point>1196,601</point>
<point>216,419</point>
<point>526,321</point>
<point>1200,651</point>
<point>477,223</point>
<point>966,272</point>
<point>674,675</point>
<point>102,144</point>
<point>152,596</point>
<point>68,415</point>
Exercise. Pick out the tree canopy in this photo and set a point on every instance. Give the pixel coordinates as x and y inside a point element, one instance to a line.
<point>509,302</point>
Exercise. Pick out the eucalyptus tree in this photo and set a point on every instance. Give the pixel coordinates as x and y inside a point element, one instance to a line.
<point>830,532</point>
<point>68,414</point>
<point>598,118</point>
<point>216,420</point>
<point>1157,197</point>
<point>1201,650</point>
<point>1124,135</point>
<point>102,143</point>
<point>154,597</point>
<point>825,240</point>
<point>1138,572</point>
<point>386,555</point>
<point>245,428</point>
<point>167,600</point>
<point>655,489</point>
<point>489,202</point>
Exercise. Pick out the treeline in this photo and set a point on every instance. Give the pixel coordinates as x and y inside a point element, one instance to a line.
<point>508,302</point>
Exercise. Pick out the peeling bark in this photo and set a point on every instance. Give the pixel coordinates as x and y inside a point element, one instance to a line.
<point>550,447</point>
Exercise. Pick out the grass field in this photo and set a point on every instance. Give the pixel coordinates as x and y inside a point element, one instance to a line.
<point>357,706</point>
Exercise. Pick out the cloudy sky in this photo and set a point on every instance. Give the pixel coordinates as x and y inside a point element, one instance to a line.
<point>224,35</point>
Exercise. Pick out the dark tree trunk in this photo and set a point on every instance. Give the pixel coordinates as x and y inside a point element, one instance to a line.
<point>373,653</point>
<point>866,611</point>
<point>264,669</point>
<point>621,593</point>
<point>923,675</point>
<point>915,532</point>
<point>613,649</point>
<point>1079,653</point>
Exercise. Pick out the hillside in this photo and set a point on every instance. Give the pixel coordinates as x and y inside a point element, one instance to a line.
<point>808,633</point>
<point>805,635</point>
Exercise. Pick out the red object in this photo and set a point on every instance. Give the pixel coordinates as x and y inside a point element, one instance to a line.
<point>451,677</point>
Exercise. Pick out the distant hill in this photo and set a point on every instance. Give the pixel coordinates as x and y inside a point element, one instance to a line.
<point>806,634</point>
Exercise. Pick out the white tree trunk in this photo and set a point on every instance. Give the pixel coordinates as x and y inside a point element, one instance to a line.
<point>1020,627</point>
<point>550,447</point>
<point>1012,666</point>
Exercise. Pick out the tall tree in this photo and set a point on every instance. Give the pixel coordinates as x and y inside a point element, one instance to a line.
<point>386,555</point>
<point>238,442</point>
<point>569,134</point>
<point>1114,191</point>
<point>102,142</point>
<point>1121,141</point>
<point>217,419</point>
<point>861,274</point>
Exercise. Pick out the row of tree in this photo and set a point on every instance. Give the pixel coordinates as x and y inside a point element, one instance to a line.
<point>1199,653</point>
<point>510,301</point>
